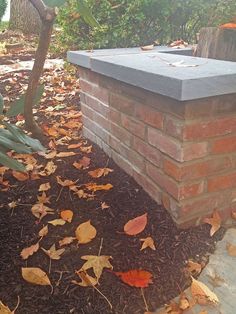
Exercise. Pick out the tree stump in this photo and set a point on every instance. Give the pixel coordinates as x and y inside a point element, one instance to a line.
<point>217,43</point>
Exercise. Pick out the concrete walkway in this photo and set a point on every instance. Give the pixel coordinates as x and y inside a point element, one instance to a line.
<point>220,276</point>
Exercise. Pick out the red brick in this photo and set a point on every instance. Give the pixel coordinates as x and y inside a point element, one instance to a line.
<point>95,90</point>
<point>122,104</point>
<point>150,116</point>
<point>165,199</point>
<point>96,117</point>
<point>96,128</point>
<point>148,185</point>
<point>166,183</point>
<point>165,144</point>
<point>122,134</point>
<point>149,152</point>
<point>134,126</point>
<point>88,75</point>
<point>114,116</point>
<point>200,169</point>
<point>122,162</point>
<point>216,127</point>
<point>224,145</point>
<point>193,151</point>
<point>173,127</point>
<point>188,190</point>
<point>95,104</point>
<point>222,182</point>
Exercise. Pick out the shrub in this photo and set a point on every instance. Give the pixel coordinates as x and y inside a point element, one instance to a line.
<point>3,6</point>
<point>126,23</point>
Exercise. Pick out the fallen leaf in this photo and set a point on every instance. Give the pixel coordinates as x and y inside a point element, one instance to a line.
<point>231,249</point>
<point>13,204</point>
<point>53,253</point>
<point>85,232</point>
<point>43,198</point>
<point>214,221</point>
<point>193,267</point>
<point>66,241</point>
<point>49,169</point>
<point>5,309</point>
<point>95,187</point>
<point>99,172</point>
<point>73,124</point>
<point>28,251</point>
<point>104,205</point>
<point>86,149</point>
<point>202,294</point>
<point>67,215</point>
<point>136,225</point>
<point>148,242</point>
<point>136,278</point>
<point>233,214</point>
<point>44,187</point>
<point>35,275</point>
<point>57,222</point>
<point>44,231</point>
<point>20,176</point>
<point>97,263</point>
<point>50,155</point>
<point>40,210</point>
<point>148,47</point>
<point>183,302</point>
<point>83,163</point>
<point>65,154</point>
<point>203,312</point>
<point>65,183</point>
<point>87,280</point>
<point>71,146</point>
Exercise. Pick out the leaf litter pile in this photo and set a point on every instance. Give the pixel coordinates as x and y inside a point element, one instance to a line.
<point>78,235</point>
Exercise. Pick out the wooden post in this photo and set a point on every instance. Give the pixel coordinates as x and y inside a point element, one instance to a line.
<point>217,43</point>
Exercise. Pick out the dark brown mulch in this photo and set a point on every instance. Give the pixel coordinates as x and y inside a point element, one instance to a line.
<point>19,229</point>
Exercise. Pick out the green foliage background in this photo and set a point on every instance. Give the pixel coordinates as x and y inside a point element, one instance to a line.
<point>3,6</point>
<point>126,23</point>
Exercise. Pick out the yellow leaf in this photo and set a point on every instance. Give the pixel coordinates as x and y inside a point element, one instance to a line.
<point>53,253</point>
<point>66,241</point>
<point>85,232</point>
<point>35,275</point>
<point>97,263</point>
<point>183,302</point>
<point>231,249</point>
<point>5,309</point>
<point>193,267</point>
<point>57,222</point>
<point>202,294</point>
<point>71,146</point>
<point>67,215</point>
<point>44,187</point>
<point>214,221</point>
<point>49,169</point>
<point>65,154</point>
<point>148,242</point>
<point>43,232</point>
<point>87,280</point>
<point>28,251</point>
<point>98,187</point>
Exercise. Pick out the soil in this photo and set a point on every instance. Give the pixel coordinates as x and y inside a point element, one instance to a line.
<point>126,200</point>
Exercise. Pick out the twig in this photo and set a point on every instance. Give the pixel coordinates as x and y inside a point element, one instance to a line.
<point>100,248</point>
<point>16,307</point>
<point>60,277</point>
<point>144,300</point>
<point>59,194</point>
<point>103,296</point>
<point>50,265</point>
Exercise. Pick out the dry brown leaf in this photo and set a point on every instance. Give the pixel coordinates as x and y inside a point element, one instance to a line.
<point>73,124</point>
<point>40,210</point>
<point>71,146</point>
<point>136,225</point>
<point>66,241</point>
<point>5,309</point>
<point>202,294</point>
<point>148,47</point>
<point>64,183</point>
<point>104,205</point>
<point>98,187</point>
<point>50,155</point>
<point>97,263</point>
<point>87,280</point>
<point>183,302</point>
<point>57,222</point>
<point>233,214</point>
<point>28,251</point>
<point>35,275</point>
<point>85,232</point>
<point>44,187</point>
<point>83,163</point>
<point>53,253</point>
<point>65,154</point>
<point>67,215</point>
<point>231,249</point>
<point>20,176</point>
<point>148,242</point>
<point>49,169</point>
<point>44,231</point>
<point>193,267</point>
<point>214,221</point>
<point>100,172</point>
<point>43,198</point>
<point>86,149</point>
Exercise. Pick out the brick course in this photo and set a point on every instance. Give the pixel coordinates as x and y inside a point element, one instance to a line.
<point>182,153</point>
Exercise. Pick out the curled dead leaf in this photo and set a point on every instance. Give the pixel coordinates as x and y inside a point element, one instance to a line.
<point>100,172</point>
<point>40,210</point>
<point>202,294</point>
<point>148,242</point>
<point>66,241</point>
<point>44,187</point>
<point>214,221</point>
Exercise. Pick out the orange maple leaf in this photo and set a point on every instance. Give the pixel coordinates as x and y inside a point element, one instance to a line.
<point>135,278</point>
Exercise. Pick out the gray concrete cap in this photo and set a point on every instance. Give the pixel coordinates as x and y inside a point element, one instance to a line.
<point>164,70</point>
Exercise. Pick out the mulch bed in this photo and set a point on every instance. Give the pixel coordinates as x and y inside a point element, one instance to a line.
<point>127,200</point>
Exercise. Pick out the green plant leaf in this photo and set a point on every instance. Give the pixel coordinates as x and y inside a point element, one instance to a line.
<point>12,145</point>
<point>17,106</point>
<point>86,13</point>
<point>10,162</point>
<point>1,104</point>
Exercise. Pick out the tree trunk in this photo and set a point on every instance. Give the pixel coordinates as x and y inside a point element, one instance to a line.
<point>24,17</point>
<point>217,43</point>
